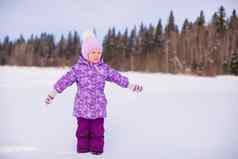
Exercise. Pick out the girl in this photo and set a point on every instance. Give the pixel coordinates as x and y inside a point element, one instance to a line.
<point>90,74</point>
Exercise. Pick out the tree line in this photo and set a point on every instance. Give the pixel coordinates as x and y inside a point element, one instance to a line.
<point>200,47</point>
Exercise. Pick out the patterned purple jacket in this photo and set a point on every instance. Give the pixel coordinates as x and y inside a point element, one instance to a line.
<point>90,101</point>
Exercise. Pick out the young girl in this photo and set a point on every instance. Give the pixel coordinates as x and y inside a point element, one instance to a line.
<point>90,74</point>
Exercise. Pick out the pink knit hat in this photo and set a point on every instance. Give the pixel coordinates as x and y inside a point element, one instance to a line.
<point>90,43</point>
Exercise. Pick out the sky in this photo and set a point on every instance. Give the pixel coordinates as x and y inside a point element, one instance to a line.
<point>58,17</point>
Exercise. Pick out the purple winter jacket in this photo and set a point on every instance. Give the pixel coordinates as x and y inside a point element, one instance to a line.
<point>90,101</point>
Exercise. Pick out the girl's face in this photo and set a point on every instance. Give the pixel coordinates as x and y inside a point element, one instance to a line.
<point>94,56</point>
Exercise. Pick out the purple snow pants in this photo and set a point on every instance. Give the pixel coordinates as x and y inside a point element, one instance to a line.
<point>90,135</point>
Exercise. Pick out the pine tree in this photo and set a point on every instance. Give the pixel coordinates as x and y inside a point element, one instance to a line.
<point>76,44</point>
<point>109,42</point>
<point>132,40</point>
<point>31,39</point>
<point>171,23</point>
<point>70,46</point>
<point>201,19</point>
<point>233,21</point>
<point>21,39</point>
<point>7,45</point>
<point>51,43</point>
<point>158,35</point>
<point>62,46</point>
<point>215,20</point>
<point>142,29</point>
<point>106,47</point>
<point>144,37</point>
<point>220,20</point>
<point>118,43</point>
<point>150,38</point>
<point>2,58</point>
<point>185,25</point>
<point>125,43</point>
<point>113,42</point>
<point>234,63</point>
<point>5,49</point>
<point>176,29</point>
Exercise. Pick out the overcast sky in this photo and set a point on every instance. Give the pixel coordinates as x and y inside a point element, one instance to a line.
<point>28,17</point>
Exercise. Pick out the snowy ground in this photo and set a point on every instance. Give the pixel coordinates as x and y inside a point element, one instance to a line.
<point>175,117</point>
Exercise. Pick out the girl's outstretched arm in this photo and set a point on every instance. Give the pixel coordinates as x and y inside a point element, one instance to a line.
<point>62,83</point>
<point>116,77</point>
<point>66,80</point>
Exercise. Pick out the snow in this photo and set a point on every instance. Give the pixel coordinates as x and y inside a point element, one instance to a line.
<point>175,117</point>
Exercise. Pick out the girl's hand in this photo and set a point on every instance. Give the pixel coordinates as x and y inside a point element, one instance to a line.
<point>50,97</point>
<point>135,88</point>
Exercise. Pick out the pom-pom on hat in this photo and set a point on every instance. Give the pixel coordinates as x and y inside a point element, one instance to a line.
<point>89,43</point>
